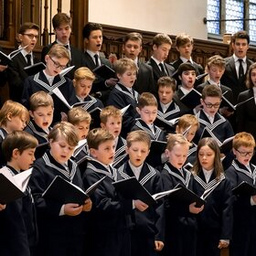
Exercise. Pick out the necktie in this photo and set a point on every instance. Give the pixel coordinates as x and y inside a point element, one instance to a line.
<point>66,46</point>
<point>96,60</point>
<point>241,69</point>
<point>28,57</point>
<point>161,65</point>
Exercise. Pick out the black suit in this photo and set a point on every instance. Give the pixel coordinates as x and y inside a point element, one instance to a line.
<point>145,80</point>
<point>17,76</point>
<point>230,78</point>
<point>158,73</point>
<point>198,67</point>
<point>76,58</point>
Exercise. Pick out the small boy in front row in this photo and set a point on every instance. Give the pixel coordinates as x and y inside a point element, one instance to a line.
<point>111,120</point>
<point>180,227</point>
<point>111,219</point>
<point>41,113</point>
<point>244,211</point>
<point>18,232</point>
<point>147,235</point>
<point>61,226</point>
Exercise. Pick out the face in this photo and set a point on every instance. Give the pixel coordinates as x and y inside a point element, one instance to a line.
<point>244,154</point>
<point>25,159</point>
<point>253,77</point>
<point>165,94</point>
<point>138,152</point>
<point>161,52</point>
<point>240,47</point>
<point>82,87</point>
<point>188,133</point>
<point>55,65</point>
<point>206,157</point>
<point>63,33</point>
<point>132,49</point>
<point>16,123</point>
<point>185,50</point>
<point>128,78</point>
<point>29,39</point>
<point>188,78</point>
<point>43,116</point>
<point>148,114</point>
<point>113,125</point>
<point>82,129</point>
<point>95,40</point>
<point>105,152</point>
<point>215,73</point>
<point>211,105</point>
<point>61,150</point>
<point>178,155</point>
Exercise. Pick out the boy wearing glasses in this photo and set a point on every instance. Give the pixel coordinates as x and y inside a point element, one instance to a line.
<point>49,79</point>
<point>27,37</point>
<point>244,224</point>
<point>209,117</point>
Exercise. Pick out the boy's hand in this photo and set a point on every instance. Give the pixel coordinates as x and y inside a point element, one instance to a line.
<point>3,68</point>
<point>194,209</point>
<point>2,207</point>
<point>72,209</point>
<point>159,245</point>
<point>141,206</point>
<point>254,199</point>
<point>87,205</point>
<point>111,82</point>
<point>223,244</point>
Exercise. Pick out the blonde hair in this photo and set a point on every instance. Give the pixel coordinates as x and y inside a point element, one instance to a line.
<point>84,73</point>
<point>59,51</point>
<point>138,136</point>
<point>147,99</point>
<point>77,115</point>
<point>124,64</point>
<point>186,120</point>
<point>40,99</point>
<point>14,109</point>
<point>174,139</point>
<point>108,112</point>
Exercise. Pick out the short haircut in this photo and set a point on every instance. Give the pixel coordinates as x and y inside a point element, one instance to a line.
<point>27,25</point>
<point>174,139</point>
<point>13,109</point>
<point>98,136</point>
<point>216,60</point>
<point>182,39</point>
<point>59,51</point>
<point>213,145</point>
<point>20,140</point>
<point>211,90</point>
<point>61,19</point>
<point>84,73</point>
<point>185,67</point>
<point>89,27</point>
<point>133,36</point>
<point>244,139</point>
<point>40,99</point>
<point>147,99</point>
<point>110,111</point>
<point>138,136</point>
<point>242,34</point>
<point>186,120</point>
<point>66,130</point>
<point>249,83</point>
<point>160,39</point>
<point>124,64</point>
<point>77,115</point>
<point>166,81</point>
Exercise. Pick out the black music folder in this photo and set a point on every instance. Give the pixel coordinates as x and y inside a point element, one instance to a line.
<point>244,188</point>
<point>34,69</point>
<point>105,72</point>
<point>191,99</point>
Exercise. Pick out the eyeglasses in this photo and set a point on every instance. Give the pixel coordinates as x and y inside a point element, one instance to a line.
<point>31,36</point>
<point>210,105</point>
<point>242,153</point>
<point>57,65</point>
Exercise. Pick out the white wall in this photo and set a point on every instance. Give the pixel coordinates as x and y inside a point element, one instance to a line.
<point>166,16</point>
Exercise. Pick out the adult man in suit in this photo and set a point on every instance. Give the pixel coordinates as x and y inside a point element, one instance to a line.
<point>184,45</point>
<point>27,36</point>
<point>237,65</point>
<point>162,44</point>
<point>62,27</point>
<point>132,48</point>
<point>92,34</point>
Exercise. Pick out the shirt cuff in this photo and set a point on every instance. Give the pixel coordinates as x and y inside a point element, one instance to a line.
<point>62,210</point>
